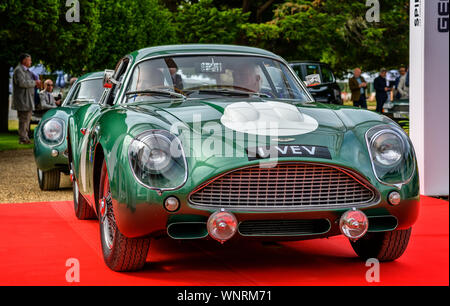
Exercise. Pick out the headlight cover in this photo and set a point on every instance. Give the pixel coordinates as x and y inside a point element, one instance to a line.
<point>157,160</point>
<point>391,153</point>
<point>53,131</point>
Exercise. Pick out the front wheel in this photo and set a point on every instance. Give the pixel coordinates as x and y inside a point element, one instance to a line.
<point>119,252</point>
<point>385,246</point>
<point>48,180</point>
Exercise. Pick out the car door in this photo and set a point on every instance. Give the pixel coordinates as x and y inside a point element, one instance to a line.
<point>90,130</point>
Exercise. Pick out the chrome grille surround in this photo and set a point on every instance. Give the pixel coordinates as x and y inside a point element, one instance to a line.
<point>293,186</point>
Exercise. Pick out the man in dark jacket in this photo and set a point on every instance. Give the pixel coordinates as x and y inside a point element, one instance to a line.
<point>381,90</point>
<point>23,95</point>
<point>358,87</point>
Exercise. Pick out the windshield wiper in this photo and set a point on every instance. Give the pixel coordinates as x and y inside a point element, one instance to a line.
<point>156,92</point>
<point>229,92</point>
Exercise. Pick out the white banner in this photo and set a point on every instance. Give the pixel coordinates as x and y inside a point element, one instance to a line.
<point>429,93</point>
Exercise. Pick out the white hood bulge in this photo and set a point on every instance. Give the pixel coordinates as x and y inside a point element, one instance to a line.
<point>267,119</point>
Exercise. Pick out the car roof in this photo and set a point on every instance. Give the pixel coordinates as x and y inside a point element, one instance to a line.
<point>198,48</point>
<point>97,74</point>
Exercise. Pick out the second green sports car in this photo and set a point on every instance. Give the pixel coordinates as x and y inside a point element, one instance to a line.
<point>225,142</point>
<point>50,144</point>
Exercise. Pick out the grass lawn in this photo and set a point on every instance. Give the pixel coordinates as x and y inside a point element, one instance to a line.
<point>10,140</point>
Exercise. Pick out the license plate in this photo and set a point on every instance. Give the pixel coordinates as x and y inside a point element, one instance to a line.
<point>263,152</point>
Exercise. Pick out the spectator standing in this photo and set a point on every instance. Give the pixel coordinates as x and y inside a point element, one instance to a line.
<point>381,90</point>
<point>402,88</point>
<point>23,95</point>
<point>46,96</point>
<point>358,87</point>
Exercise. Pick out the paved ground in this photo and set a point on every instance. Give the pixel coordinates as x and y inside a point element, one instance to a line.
<point>18,180</point>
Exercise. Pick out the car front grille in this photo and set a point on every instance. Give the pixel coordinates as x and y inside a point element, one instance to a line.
<point>287,185</point>
<point>283,227</point>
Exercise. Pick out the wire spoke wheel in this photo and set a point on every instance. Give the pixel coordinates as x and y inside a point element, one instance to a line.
<point>108,219</point>
<point>119,252</point>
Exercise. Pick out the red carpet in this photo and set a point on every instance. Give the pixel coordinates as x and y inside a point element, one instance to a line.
<point>36,239</point>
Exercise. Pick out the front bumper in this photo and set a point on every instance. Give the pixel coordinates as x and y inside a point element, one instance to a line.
<point>143,213</point>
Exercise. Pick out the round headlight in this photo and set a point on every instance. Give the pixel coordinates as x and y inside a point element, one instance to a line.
<point>153,153</point>
<point>387,148</point>
<point>157,160</point>
<point>391,153</point>
<point>53,130</point>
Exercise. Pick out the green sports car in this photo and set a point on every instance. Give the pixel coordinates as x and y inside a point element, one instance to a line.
<point>225,142</point>
<point>50,145</point>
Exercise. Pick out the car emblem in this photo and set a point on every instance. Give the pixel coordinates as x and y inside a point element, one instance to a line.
<point>283,139</point>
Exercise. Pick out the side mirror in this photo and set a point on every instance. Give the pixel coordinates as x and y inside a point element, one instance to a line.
<point>312,80</point>
<point>107,78</point>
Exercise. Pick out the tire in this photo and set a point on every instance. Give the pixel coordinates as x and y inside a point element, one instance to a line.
<point>119,252</point>
<point>48,180</point>
<point>385,246</point>
<point>83,210</point>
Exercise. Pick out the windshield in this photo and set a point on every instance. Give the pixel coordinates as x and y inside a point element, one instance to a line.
<point>197,76</point>
<point>87,91</point>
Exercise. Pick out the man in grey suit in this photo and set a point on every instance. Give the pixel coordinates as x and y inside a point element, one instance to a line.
<point>23,95</point>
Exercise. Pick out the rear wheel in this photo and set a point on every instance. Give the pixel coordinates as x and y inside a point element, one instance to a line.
<point>48,180</point>
<point>119,252</point>
<point>83,210</point>
<point>385,246</point>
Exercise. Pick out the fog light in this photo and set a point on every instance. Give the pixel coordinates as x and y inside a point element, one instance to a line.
<point>222,225</point>
<point>55,153</point>
<point>354,224</point>
<point>394,198</point>
<point>172,204</point>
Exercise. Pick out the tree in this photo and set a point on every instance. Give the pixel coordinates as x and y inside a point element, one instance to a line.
<point>336,32</point>
<point>202,22</point>
<point>127,26</point>
<point>40,29</point>
<point>261,10</point>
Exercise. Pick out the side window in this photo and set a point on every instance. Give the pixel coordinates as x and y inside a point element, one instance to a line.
<point>74,94</point>
<point>88,91</point>
<point>327,75</point>
<point>312,69</point>
<point>118,76</point>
